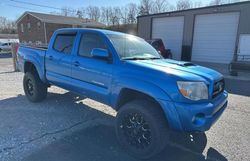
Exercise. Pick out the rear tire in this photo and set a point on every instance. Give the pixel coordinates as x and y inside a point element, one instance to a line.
<point>34,89</point>
<point>141,129</point>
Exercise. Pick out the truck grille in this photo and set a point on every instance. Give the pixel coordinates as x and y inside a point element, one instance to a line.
<point>219,87</point>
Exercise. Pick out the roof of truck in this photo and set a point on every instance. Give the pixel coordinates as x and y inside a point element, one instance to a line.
<point>106,32</point>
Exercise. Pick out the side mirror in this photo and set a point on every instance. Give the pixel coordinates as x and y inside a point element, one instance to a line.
<point>100,53</point>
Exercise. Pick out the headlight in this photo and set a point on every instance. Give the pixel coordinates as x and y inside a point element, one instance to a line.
<point>193,90</point>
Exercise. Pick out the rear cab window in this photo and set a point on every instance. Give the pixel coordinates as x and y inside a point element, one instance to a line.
<point>64,42</point>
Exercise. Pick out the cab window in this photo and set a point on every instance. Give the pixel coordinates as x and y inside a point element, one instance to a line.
<point>89,41</point>
<point>64,43</point>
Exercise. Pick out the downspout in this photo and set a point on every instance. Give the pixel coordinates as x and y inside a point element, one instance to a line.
<point>45,33</point>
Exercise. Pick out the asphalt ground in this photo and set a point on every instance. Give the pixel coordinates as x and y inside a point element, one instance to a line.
<point>68,127</point>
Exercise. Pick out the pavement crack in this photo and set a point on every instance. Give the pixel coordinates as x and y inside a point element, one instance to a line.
<point>90,122</point>
<point>51,133</point>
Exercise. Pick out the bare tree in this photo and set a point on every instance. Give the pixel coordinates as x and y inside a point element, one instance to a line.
<point>119,15</point>
<point>216,2</point>
<point>197,4</point>
<point>171,7</point>
<point>115,16</point>
<point>132,13</point>
<point>7,26</point>
<point>183,4</point>
<point>79,14</point>
<point>105,15</point>
<point>3,22</point>
<point>220,2</point>
<point>93,12</point>
<point>68,11</point>
<point>124,14</point>
<point>127,14</point>
<point>145,7</point>
<point>160,6</point>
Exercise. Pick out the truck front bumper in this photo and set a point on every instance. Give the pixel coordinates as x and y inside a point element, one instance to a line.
<point>195,117</point>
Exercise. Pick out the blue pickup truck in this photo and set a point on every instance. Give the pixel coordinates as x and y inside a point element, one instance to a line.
<point>151,95</point>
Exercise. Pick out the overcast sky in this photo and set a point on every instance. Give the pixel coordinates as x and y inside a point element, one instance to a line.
<point>12,9</point>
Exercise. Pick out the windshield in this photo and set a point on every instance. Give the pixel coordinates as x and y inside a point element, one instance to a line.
<point>131,47</point>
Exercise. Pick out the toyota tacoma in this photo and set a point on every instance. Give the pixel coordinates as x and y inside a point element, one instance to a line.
<point>151,95</point>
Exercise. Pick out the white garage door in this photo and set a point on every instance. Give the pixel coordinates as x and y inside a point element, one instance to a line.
<point>214,37</point>
<point>170,30</point>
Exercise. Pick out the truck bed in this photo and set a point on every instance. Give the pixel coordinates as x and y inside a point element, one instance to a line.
<point>35,55</point>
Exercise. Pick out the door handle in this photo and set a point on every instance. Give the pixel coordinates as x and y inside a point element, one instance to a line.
<point>77,64</point>
<point>50,57</point>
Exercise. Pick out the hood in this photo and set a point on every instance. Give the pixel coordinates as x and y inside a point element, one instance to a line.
<point>184,69</point>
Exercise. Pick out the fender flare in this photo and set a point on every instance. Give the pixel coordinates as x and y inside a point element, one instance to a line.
<point>152,90</point>
<point>38,65</point>
<point>142,86</point>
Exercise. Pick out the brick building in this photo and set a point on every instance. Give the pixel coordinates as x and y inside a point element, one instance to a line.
<point>38,27</point>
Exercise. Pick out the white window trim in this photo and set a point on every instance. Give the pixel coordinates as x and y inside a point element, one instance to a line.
<point>28,25</point>
<point>22,29</point>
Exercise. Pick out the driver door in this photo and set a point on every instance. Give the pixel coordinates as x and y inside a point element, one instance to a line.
<point>93,76</point>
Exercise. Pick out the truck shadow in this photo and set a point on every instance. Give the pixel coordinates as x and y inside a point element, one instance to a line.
<point>96,142</point>
<point>99,142</point>
<point>239,87</point>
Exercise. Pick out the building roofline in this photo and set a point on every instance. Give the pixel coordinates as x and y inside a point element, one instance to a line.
<point>192,9</point>
<point>82,22</point>
<point>26,13</point>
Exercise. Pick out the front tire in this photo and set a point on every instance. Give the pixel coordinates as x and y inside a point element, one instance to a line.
<point>141,129</point>
<point>34,89</point>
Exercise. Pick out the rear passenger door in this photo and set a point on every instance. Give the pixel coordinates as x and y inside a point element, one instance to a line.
<point>92,76</point>
<point>58,60</point>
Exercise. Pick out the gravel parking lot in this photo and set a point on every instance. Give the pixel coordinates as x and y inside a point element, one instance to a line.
<point>68,127</point>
